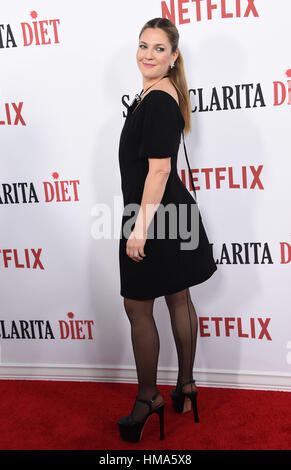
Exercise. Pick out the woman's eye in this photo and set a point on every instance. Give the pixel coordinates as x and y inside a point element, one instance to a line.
<point>161,48</point>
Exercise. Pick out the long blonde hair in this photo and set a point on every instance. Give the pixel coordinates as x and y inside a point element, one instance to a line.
<point>177,73</point>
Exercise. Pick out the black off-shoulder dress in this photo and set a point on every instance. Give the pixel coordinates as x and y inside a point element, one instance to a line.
<point>153,130</point>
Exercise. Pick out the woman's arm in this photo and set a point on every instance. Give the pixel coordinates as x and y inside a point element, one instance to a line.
<point>154,188</point>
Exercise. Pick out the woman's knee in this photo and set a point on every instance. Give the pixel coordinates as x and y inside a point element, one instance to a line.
<point>178,298</point>
<point>135,308</point>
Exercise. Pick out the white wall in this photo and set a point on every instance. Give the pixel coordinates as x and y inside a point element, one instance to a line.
<point>67,96</point>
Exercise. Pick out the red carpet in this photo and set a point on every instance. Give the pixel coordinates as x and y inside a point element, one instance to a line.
<point>54,415</point>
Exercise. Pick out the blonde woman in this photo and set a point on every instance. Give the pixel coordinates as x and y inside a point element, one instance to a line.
<point>155,266</point>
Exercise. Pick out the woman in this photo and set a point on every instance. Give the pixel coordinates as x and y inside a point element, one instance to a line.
<point>155,266</point>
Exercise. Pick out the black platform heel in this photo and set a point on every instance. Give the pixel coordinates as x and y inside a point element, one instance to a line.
<point>181,400</point>
<point>131,430</point>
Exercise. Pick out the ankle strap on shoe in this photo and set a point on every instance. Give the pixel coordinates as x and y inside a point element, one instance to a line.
<point>149,402</point>
<point>186,383</point>
<point>190,382</point>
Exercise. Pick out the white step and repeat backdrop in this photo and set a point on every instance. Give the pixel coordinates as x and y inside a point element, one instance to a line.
<point>68,71</point>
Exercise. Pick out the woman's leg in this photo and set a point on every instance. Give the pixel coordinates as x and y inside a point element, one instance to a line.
<point>184,327</point>
<point>146,347</point>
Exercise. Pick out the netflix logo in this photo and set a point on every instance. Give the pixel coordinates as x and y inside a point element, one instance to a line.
<point>235,327</point>
<point>28,258</point>
<point>33,33</point>
<point>184,11</point>
<point>244,177</point>
<point>10,114</point>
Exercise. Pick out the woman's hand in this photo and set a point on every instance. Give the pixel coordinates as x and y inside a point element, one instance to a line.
<point>135,245</point>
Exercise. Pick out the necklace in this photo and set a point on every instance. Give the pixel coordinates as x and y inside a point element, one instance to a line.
<point>137,98</point>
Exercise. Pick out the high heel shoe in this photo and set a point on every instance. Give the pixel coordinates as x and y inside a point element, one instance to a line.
<point>181,400</point>
<point>131,430</point>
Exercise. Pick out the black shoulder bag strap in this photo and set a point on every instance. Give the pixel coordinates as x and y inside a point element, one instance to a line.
<point>190,172</point>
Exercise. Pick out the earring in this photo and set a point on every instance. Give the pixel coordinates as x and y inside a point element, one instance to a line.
<point>172,65</point>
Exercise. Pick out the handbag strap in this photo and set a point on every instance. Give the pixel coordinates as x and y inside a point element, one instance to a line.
<point>190,172</point>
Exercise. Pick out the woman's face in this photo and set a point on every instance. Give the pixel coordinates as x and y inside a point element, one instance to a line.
<point>154,48</point>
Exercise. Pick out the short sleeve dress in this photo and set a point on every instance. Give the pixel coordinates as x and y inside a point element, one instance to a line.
<point>153,130</point>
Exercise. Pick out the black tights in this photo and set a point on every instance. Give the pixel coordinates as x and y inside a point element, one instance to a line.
<point>146,344</point>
